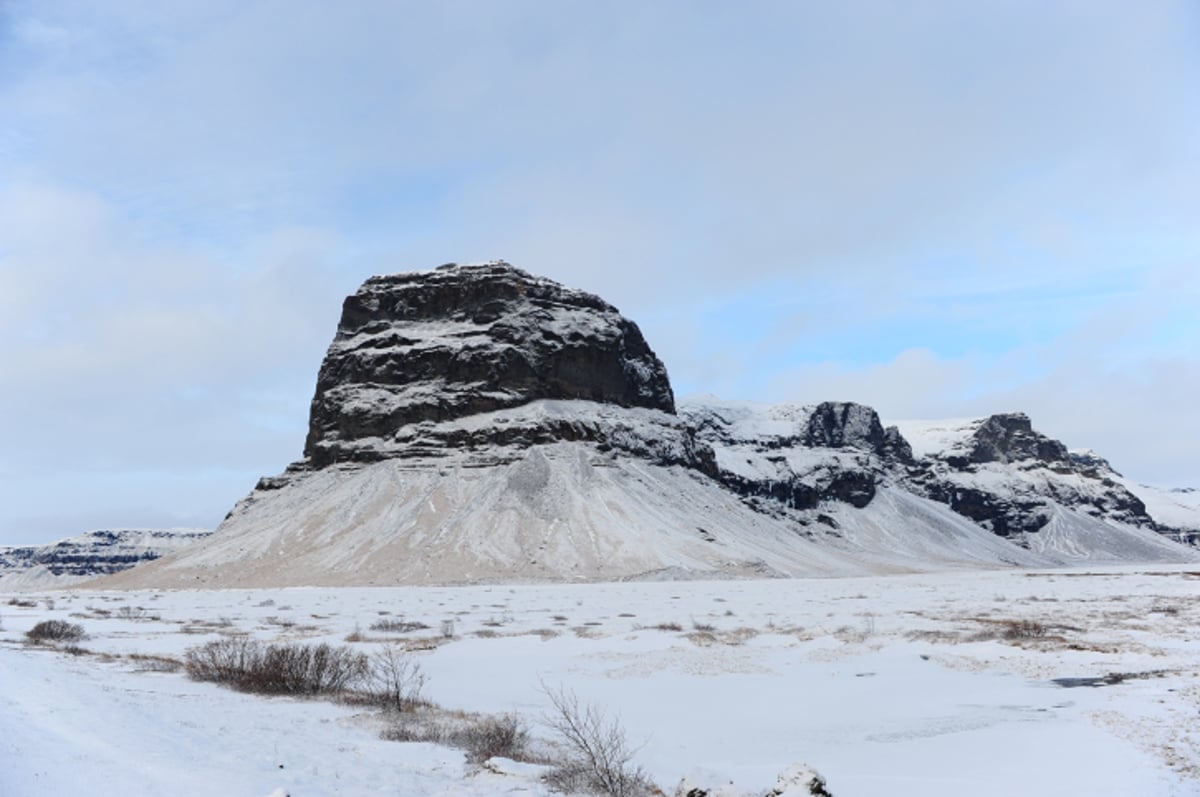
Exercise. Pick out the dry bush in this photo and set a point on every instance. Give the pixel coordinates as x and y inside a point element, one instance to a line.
<point>599,759</point>
<point>666,627</point>
<point>250,666</point>
<point>397,626</point>
<point>1024,629</point>
<point>506,736</point>
<point>136,613</point>
<point>396,680</point>
<point>55,631</point>
<point>144,662</point>
<point>480,736</point>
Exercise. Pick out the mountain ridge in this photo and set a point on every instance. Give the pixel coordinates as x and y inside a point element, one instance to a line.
<point>480,423</point>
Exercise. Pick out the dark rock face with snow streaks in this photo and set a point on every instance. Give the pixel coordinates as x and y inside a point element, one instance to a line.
<point>463,340</point>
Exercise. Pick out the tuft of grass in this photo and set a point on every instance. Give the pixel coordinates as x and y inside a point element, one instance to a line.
<point>144,662</point>
<point>666,627</point>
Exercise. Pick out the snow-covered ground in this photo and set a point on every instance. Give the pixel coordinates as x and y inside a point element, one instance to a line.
<point>889,686</point>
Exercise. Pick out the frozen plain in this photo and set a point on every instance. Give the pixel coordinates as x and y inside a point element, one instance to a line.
<point>889,686</point>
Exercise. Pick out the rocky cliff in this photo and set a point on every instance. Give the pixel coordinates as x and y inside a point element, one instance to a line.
<point>997,472</point>
<point>415,351</point>
<point>89,555</point>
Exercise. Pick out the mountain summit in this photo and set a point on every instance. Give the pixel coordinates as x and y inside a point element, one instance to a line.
<point>463,340</point>
<point>477,423</point>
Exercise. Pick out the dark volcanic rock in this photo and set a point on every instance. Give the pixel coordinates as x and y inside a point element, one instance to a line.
<point>463,340</point>
<point>1009,437</point>
<point>835,424</point>
<point>757,447</point>
<point>1009,478</point>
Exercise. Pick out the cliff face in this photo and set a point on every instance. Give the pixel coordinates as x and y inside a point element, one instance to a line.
<point>1017,483</point>
<point>432,347</point>
<point>998,472</point>
<point>96,553</point>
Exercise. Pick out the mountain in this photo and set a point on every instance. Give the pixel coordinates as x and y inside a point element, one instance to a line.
<point>997,472</point>
<point>89,555</point>
<point>478,423</point>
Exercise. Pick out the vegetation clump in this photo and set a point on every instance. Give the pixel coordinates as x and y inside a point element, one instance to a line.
<point>250,666</point>
<point>55,631</point>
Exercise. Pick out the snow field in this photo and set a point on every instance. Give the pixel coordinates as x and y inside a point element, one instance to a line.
<point>930,684</point>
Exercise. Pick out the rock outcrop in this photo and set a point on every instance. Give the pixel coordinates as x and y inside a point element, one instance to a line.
<point>797,456</point>
<point>96,553</point>
<point>999,472</point>
<point>433,347</point>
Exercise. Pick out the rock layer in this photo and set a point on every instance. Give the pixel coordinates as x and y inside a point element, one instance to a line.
<point>96,553</point>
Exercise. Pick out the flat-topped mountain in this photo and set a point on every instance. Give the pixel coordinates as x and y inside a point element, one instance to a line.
<point>464,340</point>
<point>477,423</point>
<point>86,556</point>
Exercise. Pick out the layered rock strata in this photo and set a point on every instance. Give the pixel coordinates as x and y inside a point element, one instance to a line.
<point>414,351</point>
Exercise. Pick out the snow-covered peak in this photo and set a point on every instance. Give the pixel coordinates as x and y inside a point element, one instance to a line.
<point>939,438</point>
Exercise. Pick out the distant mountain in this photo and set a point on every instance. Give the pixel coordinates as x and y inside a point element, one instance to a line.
<point>96,553</point>
<point>477,423</point>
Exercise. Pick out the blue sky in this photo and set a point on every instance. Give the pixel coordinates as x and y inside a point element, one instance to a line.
<point>941,209</point>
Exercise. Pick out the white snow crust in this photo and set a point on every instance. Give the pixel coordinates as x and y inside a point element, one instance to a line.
<point>899,686</point>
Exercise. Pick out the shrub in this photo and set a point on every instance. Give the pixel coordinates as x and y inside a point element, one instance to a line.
<point>599,758</point>
<point>250,666</point>
<point>55,631</point>
<point>505,736</point>
<point>1024,629</point>
<point>480,736</point>
<point>396,680</point>
<point>397,626</point>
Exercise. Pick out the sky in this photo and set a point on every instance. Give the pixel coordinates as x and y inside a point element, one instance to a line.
<point>939,209</point>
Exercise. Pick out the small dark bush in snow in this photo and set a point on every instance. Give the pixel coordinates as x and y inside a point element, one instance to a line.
<point>250,666</point>
<point>397,626</point>
<point>504,736</point>
<point>1024,629</point>
<point>55,631</point>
